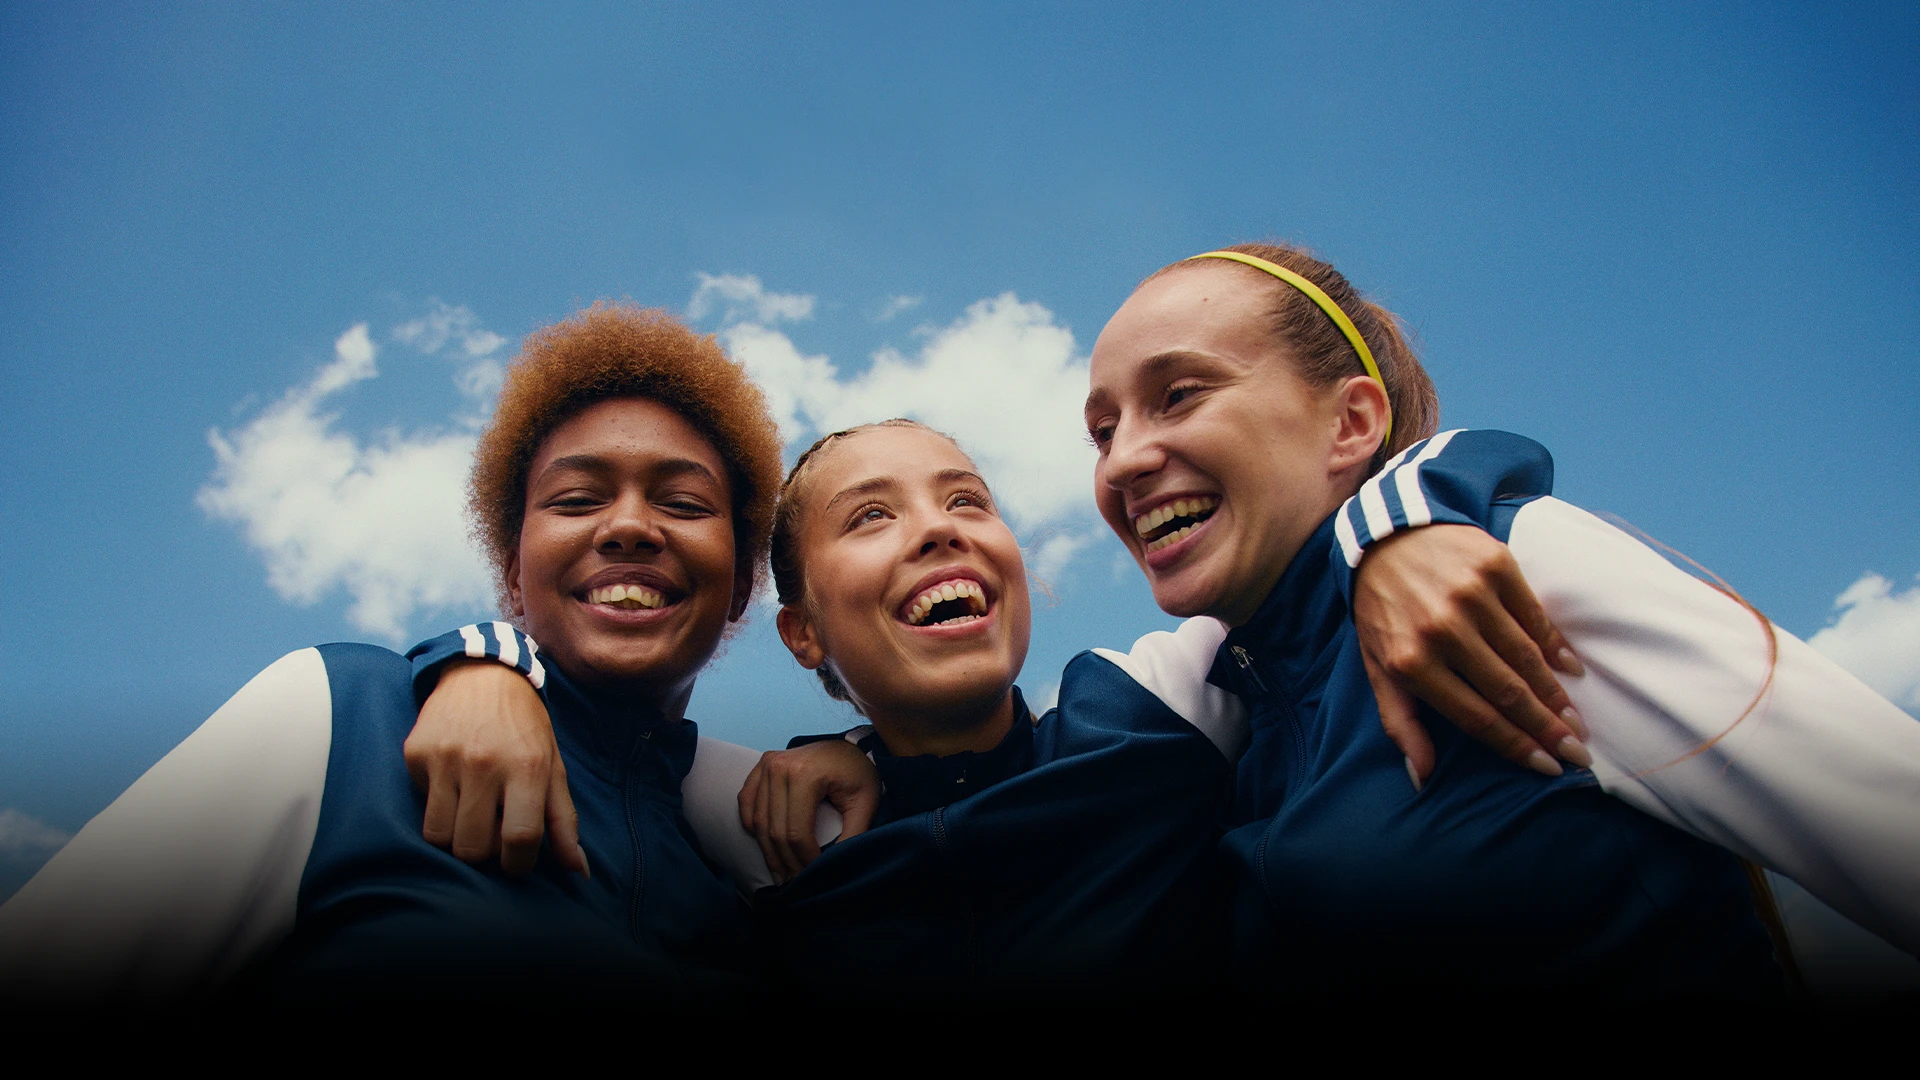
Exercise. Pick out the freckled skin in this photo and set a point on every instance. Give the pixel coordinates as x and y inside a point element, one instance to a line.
<point>866,556</point>
<point>613,488</point>
<point>1190,395</point>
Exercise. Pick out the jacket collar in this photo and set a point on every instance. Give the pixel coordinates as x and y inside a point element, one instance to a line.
<point>606,731</point>
<point>912,785</point>
<point>1289,635</point>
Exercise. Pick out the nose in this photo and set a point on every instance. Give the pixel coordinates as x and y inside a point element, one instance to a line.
<point>629,526</point>
<point>940,533</point>
<point>1133,452</point>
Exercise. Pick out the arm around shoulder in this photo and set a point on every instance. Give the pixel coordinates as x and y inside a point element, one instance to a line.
<point>1710,718</point>
<point>195,870</point>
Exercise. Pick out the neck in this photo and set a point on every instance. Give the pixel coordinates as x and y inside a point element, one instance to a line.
<point>913,732</point>
<point>669,702</point>
<point>1242,606</point>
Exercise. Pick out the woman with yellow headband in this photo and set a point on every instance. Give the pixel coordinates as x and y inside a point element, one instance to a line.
<point>1285,422</point>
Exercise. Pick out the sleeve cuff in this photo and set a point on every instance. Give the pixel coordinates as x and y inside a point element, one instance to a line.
<point>499,641</point>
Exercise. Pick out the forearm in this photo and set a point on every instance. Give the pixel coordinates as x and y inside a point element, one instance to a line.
<point>1785,759</point>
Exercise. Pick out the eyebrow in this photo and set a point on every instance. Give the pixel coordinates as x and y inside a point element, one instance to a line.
<point>594,463</point>
<point>1153,367</point>
<point>864,487</point>
<point>888,483</point>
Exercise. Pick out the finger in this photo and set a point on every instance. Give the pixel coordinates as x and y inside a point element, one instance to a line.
<point>419,763</point>
<point>476,825</point>
<point>1463,705</point>
<point>1555,719</point>
<point>776,826</point>
<point>763,813</point>
<point>563,822</point>
<point>1519,599</point>
<point>1524,608</point>
<point>857,808</point>
<point>1499,684</point>
<point>1560,653</point>
<point>443,799</point>
<point>523,822</point>
<point>804,815</point>
<point>750,802</point>
<point>1400,715</point>
<point>1517,596</point>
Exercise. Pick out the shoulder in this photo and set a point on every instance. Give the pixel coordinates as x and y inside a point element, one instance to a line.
<point>1172,667</point>
<point>357,660</point>
<point>367,680</point>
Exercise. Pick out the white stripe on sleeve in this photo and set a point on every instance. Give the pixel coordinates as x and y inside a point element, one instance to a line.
<point>1350,547</point>
<point>476,645</point>
<point>1820,782</point>
<point>536,673</point>
<point>1374,506</point>
<point>1407,480</point>
<point>509,645</point>
<point>194,870</point>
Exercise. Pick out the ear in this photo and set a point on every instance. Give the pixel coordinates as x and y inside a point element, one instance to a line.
<point>1360,423</point>
<point>742,593</point>
<point>515,600</point>
<point>796,632</point>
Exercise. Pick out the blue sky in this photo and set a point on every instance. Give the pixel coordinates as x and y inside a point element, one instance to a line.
<point>1677,244</point>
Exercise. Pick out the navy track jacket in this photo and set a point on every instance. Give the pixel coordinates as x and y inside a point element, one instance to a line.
<point>1078,851</point>
<point>1346,877</point>
<point>381,908</point>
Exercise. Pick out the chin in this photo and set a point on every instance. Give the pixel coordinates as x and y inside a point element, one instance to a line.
<point>1184,599</point>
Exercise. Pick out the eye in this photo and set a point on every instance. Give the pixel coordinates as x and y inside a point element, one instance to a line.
<point>1181,391</point>
<point>686,507</point>
<point>868,515</point>
<point>573,502</point>
<point>976,499</point>
<point>1099,435</point>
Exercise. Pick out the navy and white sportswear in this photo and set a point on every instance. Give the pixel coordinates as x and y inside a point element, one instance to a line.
<point>282,841</point>
<point>1346,875</point>
<point>1079,850</point>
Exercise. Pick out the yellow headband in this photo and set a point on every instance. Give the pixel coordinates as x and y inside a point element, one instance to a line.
<point>1315,294</point>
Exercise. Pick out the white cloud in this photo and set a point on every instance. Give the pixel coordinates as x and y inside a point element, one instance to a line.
<point>798,387</point>
<point>430,333</point>
<point>22,834</point>
<point>1054,553</point>
<point>1877,637</point>
<point>383,519</point>
<point>737,298</point>
<point>1004,379</point>
<point>897,304</point>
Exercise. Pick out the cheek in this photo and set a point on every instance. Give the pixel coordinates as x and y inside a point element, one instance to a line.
<point>709,556</point>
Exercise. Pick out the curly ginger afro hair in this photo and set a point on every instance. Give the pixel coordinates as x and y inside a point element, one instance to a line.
<point>615,351</point>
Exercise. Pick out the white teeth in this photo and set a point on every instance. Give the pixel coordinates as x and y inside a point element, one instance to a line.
<point>943,592</point>
<point>1167,511</point>
<point>628,596</point>
<point>1171,538</point>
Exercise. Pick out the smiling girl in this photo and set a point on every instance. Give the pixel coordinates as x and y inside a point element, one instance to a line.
<point>623,491</point>
<point>1006,847</point>
<point>1244,404</point>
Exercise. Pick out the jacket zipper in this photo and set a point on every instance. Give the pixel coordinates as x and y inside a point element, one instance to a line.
<point>1253,673</point>
<point>633,837</point>
<point>973,916</point>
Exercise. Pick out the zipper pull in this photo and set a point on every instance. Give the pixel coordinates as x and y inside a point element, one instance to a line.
<point>1246,665</point>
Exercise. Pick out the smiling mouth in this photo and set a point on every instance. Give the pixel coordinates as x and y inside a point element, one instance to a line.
<point>627,597</point>
<point>1170,522</point>
<point>949,603</point>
